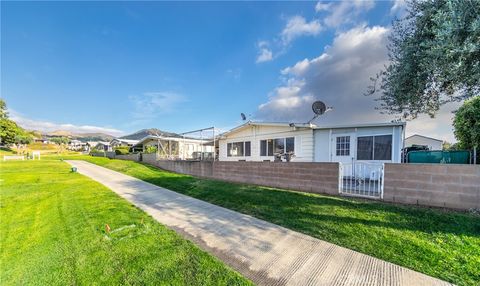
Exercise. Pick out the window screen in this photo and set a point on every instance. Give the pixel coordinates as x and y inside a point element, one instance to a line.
<point>279,145</point>
<point>365,148</point>
<point>374,147</point>
<point>290,144</point>
<point>263,147</point>
<point>270,147</point>
<point>235,149</point>
<point>247,148</point>
<point>383,147</point>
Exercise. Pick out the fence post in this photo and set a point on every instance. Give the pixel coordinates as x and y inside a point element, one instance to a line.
<point>474,155</point>
<point>340,177</point>
<point>383,181</point>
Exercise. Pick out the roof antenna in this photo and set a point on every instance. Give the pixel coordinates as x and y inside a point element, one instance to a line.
<point>319,108</point>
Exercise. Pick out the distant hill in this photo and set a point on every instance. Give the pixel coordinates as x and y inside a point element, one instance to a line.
<point>60,133</point>
<point>84,137</point>
<point>152,131</point>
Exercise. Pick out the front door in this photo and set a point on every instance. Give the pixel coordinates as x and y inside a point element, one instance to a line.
<point>342,148</point>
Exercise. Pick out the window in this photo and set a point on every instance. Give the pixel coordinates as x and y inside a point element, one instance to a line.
<point>374,147</point>
<point>343,146</point>
<point>270,147</point>
<point>365,148</point>
<point>290,143</point>
<point>383,147</point>
<point>263,147</point>
<point>238,149</point>
<point>279,145</point>
<point>248,148</point>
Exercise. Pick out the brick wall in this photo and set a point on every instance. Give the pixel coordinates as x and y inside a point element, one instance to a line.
<point>194,168</point>
<point>107,154</point>
<point>306,177</point>
<point>450,185</point>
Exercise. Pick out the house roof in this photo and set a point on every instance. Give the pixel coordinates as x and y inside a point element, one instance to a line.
<point>154,137</point>
<point>424,137</point>
<point>128,141</point>
<point>382,124</point>
<point>312,126</point>
<point>280,124</point>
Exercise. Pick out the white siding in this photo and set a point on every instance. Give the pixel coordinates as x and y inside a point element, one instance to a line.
<point>323,147</point>
<point>303,142</point>
<point>420,140</point>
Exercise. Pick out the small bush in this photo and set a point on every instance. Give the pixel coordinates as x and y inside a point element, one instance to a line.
<point>150,149</point>
<point>122,150</point>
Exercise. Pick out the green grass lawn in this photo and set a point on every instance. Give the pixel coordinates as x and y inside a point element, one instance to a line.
<point>442,244</point>
<point>52,232</point>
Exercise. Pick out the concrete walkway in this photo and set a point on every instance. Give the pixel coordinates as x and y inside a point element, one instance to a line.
<point>266,253</point>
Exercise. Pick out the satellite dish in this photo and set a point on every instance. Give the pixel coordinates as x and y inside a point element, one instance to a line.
<point>319,107</point>
<point>243,116</point>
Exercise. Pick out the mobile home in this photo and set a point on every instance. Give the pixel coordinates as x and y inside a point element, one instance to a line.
<point>261,141</point>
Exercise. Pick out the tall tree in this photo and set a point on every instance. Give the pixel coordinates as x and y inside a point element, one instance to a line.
<point>467,124</point>
<point>434,55</point>
<point>10,132</point>
<point>3,109</point>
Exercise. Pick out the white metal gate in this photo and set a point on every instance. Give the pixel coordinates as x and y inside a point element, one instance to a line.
<point>362,179</point>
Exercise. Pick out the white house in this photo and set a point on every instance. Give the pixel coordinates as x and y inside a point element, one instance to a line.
<point>102,146</point>
<point>431,143</point>
<point>177,147</point>
<point>76,145</point>
<point>119,142</point>
<point>260,141</point>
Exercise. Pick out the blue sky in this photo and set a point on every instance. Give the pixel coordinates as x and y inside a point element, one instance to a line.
<point>121,66</point>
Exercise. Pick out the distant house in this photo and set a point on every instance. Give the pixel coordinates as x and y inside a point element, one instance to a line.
<point>176,146</point>
<point>102,146</point>
<point>118,142</point>
<point>262,141</point>
<point>420,140</point>
<point>43,140</point>
<point>76,145</point>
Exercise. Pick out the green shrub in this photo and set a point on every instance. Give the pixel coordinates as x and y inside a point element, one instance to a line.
<point>96,152</point>
<point>124,150</point>
<point>150,149</point>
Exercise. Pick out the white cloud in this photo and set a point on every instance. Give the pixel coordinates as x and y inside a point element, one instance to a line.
<point>46,126</point>
<point>149,105</point>
<point>399,6</point>
<point>264,52</point>
<point>322,6</point>
<point>297,26</point>
<point>346,12</point>
<point>339,77</point>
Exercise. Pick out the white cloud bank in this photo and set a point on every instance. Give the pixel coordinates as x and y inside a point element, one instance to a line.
<point>339,77</point>
<point>47,126</point>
